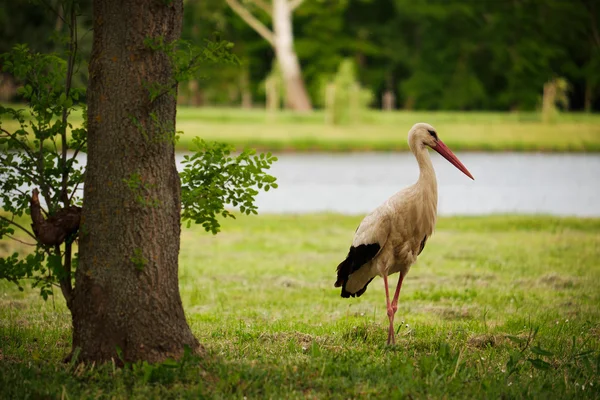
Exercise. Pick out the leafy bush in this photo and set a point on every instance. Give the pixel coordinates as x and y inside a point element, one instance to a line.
<point>345,99</point>
<point>42,154</point>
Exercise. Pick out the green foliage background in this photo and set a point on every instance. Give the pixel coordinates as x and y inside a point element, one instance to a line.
<point>433,54</point>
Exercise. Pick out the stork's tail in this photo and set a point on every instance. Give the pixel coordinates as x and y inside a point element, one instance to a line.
<point>353,282</point>
<point>346,294</point>
<point>343,271</point>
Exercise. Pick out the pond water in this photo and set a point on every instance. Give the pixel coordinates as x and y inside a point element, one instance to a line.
<point>521,183</point>
<point>558,184</point>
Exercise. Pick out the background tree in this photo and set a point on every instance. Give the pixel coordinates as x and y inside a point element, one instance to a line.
<point>281,38</point>
<point>432,54</point>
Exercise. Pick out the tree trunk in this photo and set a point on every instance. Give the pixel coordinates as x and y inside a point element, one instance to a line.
<point>245,89</point>
<point>388,100</point>
<point>587,102</point>
<point>295,92</point>
<point>127,292</point>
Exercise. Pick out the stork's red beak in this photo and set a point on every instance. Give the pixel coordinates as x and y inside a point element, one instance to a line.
<point>449,155</point>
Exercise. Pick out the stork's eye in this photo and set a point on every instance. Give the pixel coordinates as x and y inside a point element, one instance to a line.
<point>432,133</point>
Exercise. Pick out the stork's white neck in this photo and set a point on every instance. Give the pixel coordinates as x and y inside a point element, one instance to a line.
<point>427,182</point>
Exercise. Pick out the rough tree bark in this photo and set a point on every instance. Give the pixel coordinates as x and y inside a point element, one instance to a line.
<point>282,41</point>
<point>126,293</point>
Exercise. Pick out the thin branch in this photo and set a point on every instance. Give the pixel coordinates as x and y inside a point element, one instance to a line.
<point>55,145</point>
<point>67,265</point>
<point>265,6</point>
<point>20,191</point>
<point>21,170</point>
<point>594,28</point>
<point>27,194</point>
<point>40,166</point>
<point>91,30</point>
<point>19,226</point>
<point>295,4</point>
<point>36,279</point>
<point>58,14</point>
<point>64,197</point>
<point>595,31</point>
<point>73,158</point>
<point>60,20</point>
<point>45,188</point>
<point>74,191</point>
<point>175,83</point>
<point>251,20</point>
<point>14,137</point>
<point>20,241</point>
<point>65,283</point>
<point>78,149</point>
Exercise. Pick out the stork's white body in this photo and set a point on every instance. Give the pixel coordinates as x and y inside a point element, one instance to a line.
<point>401,225</point>
<point>390,238</point>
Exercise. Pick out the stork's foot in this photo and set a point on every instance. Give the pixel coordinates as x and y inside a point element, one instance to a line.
<point>391,311</point>
<point>392,307</point>
<point>391,334</point>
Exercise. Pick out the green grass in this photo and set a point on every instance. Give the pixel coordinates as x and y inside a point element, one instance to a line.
<point>462,131</point>
<point>496,307</point>
<point>381,131</point>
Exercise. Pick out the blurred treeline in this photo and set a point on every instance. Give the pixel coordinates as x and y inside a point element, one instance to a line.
<point>425,54</point>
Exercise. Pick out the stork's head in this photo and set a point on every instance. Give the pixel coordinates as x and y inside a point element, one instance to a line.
<point>422,134</point>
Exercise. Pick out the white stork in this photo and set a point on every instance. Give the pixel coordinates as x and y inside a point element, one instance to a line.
<point>390,238</point>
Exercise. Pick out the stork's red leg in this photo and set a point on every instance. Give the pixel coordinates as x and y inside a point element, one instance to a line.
<point>397,294</point>
<point>390,312</point>
<point>392,308</point>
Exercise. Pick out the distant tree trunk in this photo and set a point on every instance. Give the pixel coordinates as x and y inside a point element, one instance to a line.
<point>195,95</point>
<point>245,89</point>
<point>272,92</point>
<point>548,99</point>
<point>587,104</point>
<point>8,88</point>
<point>388,100</point>
<point>126,293</point>
<point>247,99</point>
<point>330,114</point>
<point>282,41</point>
<point>296,96</point>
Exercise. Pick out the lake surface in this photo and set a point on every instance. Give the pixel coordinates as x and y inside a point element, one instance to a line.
<point>558,184</point>
<point>521,183</point>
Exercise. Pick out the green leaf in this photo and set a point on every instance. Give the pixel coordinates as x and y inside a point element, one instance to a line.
<point>61,99</point>
<point>541,352</point>
<point>211,179</point>
<point>515,339</point>
<point>584,354</point>
<point>119,353</point>
<point>170,363</point>
<point>539,363</point>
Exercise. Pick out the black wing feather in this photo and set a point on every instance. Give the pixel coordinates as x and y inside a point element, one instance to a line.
<point>422,245</point>
<point>356,258</point>
<point>346,294</point>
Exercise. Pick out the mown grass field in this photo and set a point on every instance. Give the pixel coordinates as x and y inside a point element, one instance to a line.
<point>496,307</point>
<point>381,131</point>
